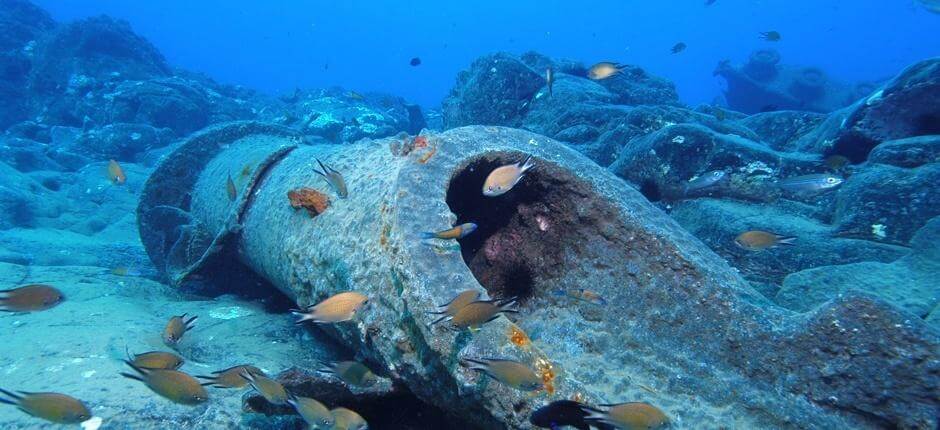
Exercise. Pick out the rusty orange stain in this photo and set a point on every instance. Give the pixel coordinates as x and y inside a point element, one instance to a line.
<point>518,337</point>
<point>547,372</point>
<point>427,155</point>
<point>420,142</point>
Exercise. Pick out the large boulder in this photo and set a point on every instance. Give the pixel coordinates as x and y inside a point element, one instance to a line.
<point>909,152</point>
<point>909,283</point>
<point>93,50</point>
<point>21,25</point>
<point>888,203</point>
<point>494,91</point>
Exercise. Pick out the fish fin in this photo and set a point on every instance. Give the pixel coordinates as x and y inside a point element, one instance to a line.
<point>188,324</point>
<point>428,235</point>
<point>785,240</point>
<point>13,396</point>
<point>130,376</point>
<point>304,316</point>
<point>526,165</point>
<point>246,375</point>
<point>326,170</point>
<point>435,322</point>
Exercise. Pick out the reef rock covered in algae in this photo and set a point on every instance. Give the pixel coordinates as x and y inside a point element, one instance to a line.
<point>686,326</point>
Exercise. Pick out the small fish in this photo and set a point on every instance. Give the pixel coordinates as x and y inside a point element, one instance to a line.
<point>338,308</point>
<point>155,360</point>
<point>629,416</point>
<point>549,79</point>
<point>771,36</point>
<point>334,178</point>
<point>709,2</point>
<point>313,412</point>
<point>474,315</point>
<point>354,95</point>
<point>604,70</point>
<point>271,390</point>
<point>560,413</point>
<point>720,114</point>
<point>230,189</point>
<point>246,170</point>
<point>175,328</point>
<point>231,377</point>
<point>30,298</point>
<point>52,407</point>
<point>346,419</point>
<point>582,294</point>
<point>351,372</point>
<point>836,162</point>
<point>512,373</point>
<point>415,61</point>
<point>756,240</point>
<point>116,173</point>
<point>679,47</point>
<point>173,385</point>
<point>458,232</point>
<point>707,180</point>
<point>450,308</point>
<point>810,183</point>
<point>125,271</point>
<point>503,178</point>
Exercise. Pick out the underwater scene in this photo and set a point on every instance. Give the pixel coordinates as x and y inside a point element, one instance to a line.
<point>676,214</point>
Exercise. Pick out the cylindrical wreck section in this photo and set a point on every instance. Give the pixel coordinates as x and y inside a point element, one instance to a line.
<point>616,303</point>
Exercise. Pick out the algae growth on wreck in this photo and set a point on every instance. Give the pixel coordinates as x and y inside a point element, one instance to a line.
<point>713,214</point>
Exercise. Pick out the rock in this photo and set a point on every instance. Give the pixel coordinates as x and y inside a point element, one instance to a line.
<point>119,141</point>
<point>717,222</point>
<point>341,116</point>
<point>494,91</point>
<point>21,25</point>
<point>909,283</point>
<point>907,106</point>
<point>661,164</point>
<point>633,86</point>
<point>866,208</point>
<point>780,130</point>
<point>539,63</point>
<point>909,152</point>
<point>26,155</point>
<point>763,84</point>
<point>23,200</point>
<point>79,55</point>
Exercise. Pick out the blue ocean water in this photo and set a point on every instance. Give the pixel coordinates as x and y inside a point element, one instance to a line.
<point>708,214</point>
<point>367,45</point>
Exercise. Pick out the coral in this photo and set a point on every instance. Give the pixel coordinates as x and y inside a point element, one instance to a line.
<point>310,199</point>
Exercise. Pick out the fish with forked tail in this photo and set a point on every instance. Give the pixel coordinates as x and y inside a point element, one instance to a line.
<point>510,372</point>
<point>176,327</point>
<point>338,308</point>
<point>173,385</point>
<point>334,178</point>
<point>52,407</point>
<point>813,183</point>
<point>504,178</point>
<point>756,240</point>
<point>633,415</point>
<point>30,298</point>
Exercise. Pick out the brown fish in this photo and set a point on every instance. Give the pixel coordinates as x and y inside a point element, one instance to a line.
<point>173,385</point>
<point>604,70</point>
<point>231,377</point>
<point>458,232</point>
<point>334,178</point>
<point>351,372</point>
<point>230,189</point>
<point>271,390</point>
<point>155,360</point>
<point>756,240</point>
<point>503,178</point>
<point>116,173</point>
<point>629,416</point>
<point>474,315</point>
<point>771,36</point>
<point>30,298</point>
<point>338,308</point>
<point>313,412</point>
<point>176,328</point>
<point>53,407</point>
<point>457,303</point>
<point>345,419</point>
<point>510,372</point>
